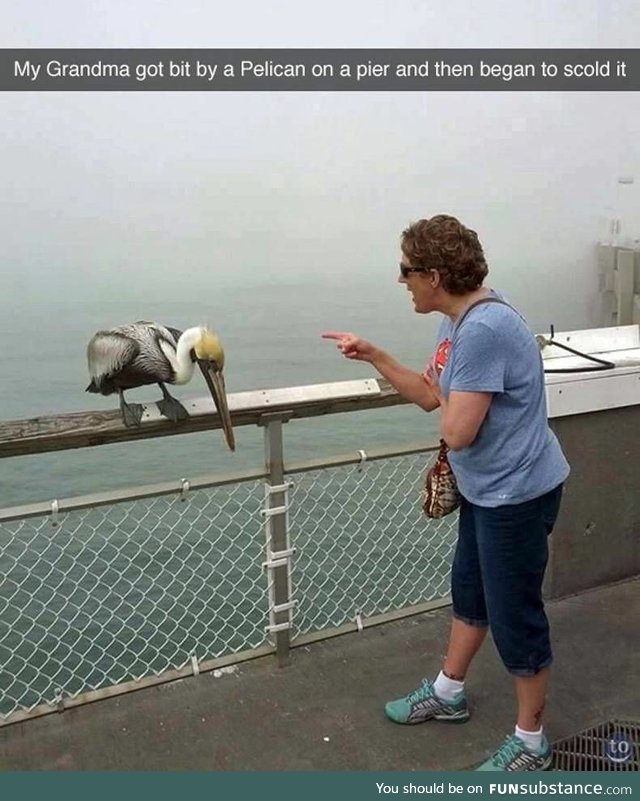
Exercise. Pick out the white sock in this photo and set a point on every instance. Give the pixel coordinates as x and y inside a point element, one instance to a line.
<point>532,739</point>
<point>447,689</point>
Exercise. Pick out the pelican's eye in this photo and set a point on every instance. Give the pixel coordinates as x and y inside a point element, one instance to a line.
<point>208,362</point>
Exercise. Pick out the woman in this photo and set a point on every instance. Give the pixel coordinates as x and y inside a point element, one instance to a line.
<point>487,379</point>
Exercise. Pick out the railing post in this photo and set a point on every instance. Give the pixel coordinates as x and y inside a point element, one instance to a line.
<point>279,552</point>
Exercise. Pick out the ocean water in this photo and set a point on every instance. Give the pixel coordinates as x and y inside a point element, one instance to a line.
<point>271,335</point>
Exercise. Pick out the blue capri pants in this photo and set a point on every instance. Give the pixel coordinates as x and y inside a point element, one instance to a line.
<point>497,573</point>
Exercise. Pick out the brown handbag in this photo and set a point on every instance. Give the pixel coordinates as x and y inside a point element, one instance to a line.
<point>440,496</point>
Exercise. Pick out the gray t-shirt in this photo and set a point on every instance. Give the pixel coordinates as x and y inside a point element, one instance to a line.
<point>515,457</point>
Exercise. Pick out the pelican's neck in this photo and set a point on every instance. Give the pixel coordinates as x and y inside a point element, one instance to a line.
<point>184,365</point>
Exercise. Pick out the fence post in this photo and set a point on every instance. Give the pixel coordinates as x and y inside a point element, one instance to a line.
<point>279,552</point>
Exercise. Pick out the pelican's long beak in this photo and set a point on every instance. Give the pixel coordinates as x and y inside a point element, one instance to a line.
<point>215,382</point>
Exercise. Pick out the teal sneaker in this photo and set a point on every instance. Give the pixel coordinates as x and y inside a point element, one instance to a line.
<point>423,704</point>
<point>513,754</point>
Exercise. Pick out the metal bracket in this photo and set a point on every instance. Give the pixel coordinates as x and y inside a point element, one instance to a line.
<point>185,489</point>
<point>278,558</point>
<point>55,509</point>
<point>269,417</point>
<point>284,607</point>
<point>273,511</point>
<point>195,667</point>
<point>363,458</point>
<point>273,488</point>
<point>273,627</point>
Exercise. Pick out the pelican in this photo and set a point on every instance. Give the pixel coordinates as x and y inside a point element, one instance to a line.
<point>149,353</point>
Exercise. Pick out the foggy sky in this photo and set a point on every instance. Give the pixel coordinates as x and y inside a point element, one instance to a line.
<point>153,194</point>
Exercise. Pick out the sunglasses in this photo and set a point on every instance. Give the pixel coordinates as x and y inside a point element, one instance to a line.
<point>404,270</point>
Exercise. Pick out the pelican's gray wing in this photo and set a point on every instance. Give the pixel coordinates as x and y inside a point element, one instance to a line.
<point>109,351</point>
<point>130,356</point>
<point>158,345</point>
<point>146,328</point>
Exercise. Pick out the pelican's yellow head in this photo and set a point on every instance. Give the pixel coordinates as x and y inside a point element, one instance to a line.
<point>208,347</point>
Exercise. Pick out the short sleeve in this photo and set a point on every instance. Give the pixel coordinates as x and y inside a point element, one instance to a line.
<point>478,360</point>
<point>438,359</point>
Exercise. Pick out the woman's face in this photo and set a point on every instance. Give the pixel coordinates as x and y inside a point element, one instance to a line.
<point>421,283</point>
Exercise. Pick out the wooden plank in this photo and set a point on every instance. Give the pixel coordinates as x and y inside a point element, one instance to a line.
<point>88,429</point>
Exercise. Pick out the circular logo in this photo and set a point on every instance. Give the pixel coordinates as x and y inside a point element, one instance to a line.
<point>618,748</point>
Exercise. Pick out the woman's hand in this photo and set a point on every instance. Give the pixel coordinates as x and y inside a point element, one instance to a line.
<point>352,346</point>
<point>408,383</point>
<point>433,382</point>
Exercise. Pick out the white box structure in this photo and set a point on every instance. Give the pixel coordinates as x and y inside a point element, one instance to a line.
<point>580,392</point>
<point>619,269</point>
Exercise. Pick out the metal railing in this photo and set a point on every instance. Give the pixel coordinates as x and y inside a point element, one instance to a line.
<point>105,593</point>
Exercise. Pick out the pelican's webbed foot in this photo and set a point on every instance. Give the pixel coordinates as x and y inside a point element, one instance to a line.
<point>131,413</point>
<point>170,407</point>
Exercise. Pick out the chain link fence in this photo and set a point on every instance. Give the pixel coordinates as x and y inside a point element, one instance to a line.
<point>363,546</point>
<point>121,591</point>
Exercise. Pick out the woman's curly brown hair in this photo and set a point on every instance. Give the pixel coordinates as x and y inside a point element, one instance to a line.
<point>443,243</point>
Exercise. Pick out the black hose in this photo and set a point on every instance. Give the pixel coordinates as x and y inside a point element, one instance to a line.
<point>600,364</point>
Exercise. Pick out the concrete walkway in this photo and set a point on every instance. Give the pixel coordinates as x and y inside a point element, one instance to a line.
<point>324,711</point>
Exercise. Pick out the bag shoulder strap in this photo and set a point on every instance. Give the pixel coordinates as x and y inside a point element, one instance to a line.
<point>490,299</point>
